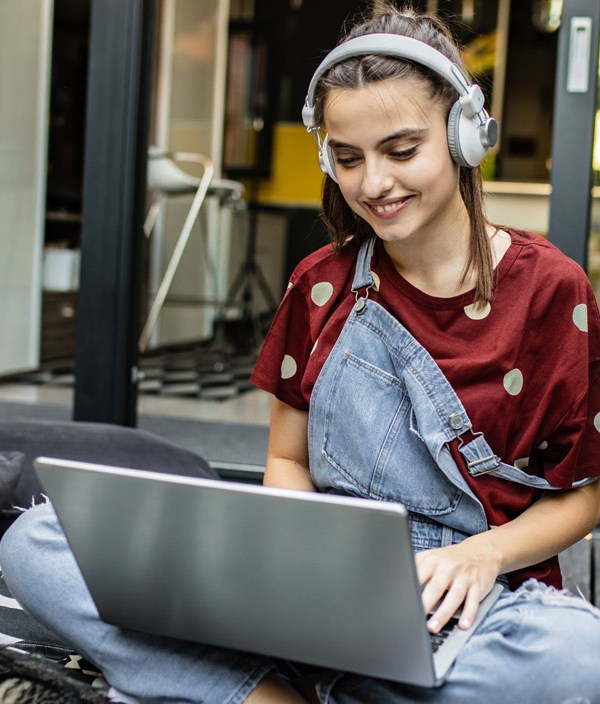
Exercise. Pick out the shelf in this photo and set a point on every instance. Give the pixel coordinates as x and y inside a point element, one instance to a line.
<point>63,216</point>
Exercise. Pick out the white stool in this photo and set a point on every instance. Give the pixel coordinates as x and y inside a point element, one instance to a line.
<point>165,178</point>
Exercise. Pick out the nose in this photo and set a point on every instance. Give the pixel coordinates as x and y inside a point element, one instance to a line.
<point>377,179</point>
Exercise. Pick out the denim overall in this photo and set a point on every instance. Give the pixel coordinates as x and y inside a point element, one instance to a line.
<point>381,416</point>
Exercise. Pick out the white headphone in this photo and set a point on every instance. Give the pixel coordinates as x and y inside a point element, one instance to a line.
<point>471,131</point>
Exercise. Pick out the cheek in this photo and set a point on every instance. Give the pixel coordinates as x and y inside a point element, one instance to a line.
<point>433,170</point>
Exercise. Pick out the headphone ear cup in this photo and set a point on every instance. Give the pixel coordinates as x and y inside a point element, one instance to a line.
<point>327,160</point>
<point>465,138</point>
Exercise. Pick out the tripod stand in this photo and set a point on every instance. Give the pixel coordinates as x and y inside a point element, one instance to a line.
<point>249,272</point>
<point>248,275</point>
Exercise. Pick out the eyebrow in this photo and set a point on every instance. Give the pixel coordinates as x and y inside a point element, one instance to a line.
<point>401,134</point>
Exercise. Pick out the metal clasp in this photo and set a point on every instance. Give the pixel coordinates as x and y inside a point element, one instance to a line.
<point>456,421</point>
<point>497,461</point>
<point>361,302</point>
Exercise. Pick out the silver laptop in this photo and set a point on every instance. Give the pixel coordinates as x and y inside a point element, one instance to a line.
<point>314,578</point>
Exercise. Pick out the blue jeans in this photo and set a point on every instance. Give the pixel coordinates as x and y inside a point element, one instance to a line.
<point>536,645</point>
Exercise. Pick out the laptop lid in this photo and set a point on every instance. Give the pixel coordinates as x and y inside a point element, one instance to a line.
<point>316,578</point>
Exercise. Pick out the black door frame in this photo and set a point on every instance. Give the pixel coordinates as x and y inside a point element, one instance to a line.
<point>114,195</point>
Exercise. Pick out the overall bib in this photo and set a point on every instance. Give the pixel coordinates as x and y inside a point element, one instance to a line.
<point>381,416</point>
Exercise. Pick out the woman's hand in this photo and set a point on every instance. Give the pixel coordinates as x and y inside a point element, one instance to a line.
<point>456,576</point>
<point>463,574</point>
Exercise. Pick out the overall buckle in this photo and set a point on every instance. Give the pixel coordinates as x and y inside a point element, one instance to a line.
<point>475,468</point>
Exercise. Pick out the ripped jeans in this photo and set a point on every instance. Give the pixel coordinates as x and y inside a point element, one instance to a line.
<point>538,645</point>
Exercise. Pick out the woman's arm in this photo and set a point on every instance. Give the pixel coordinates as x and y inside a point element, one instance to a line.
<point>287,454</point>
<point>466,572</point>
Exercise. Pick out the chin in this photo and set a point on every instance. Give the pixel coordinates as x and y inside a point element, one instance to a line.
<point>387,234</point>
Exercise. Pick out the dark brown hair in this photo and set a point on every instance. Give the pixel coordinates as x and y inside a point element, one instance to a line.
<point>353,72</point>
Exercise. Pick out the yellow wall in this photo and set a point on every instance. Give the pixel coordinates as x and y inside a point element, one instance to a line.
<point>295,174</point>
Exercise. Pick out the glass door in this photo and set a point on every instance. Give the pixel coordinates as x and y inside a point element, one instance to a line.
<point>188,117</point>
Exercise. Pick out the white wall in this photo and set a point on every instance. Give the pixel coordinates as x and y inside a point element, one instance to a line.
<point>25,53</point>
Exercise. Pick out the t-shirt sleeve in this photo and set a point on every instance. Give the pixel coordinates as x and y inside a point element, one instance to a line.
<point>572,452</point>
<point>282,361</point>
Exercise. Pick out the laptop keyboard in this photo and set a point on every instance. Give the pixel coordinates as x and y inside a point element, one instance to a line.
<point>438,638</point>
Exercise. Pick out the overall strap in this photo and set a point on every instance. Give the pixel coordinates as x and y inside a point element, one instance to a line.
<point>362,275</point>
<point>481,460</point>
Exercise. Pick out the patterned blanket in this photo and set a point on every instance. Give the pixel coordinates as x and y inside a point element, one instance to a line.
<point>36,667</point>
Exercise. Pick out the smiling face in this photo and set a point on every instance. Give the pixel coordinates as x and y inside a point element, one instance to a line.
<point>390,148</point>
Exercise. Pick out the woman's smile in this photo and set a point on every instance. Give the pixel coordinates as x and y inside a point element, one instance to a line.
<point>389,209</point>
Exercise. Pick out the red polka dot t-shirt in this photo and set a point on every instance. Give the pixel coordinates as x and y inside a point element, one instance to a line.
<point>526,367</point>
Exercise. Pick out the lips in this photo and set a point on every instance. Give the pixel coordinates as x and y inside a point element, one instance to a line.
<point>389,208</point>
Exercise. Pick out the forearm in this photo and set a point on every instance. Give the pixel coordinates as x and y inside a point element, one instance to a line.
<point>549,526</point>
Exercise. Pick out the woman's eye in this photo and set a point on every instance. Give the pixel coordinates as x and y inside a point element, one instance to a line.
<point>404,153</point>
<point>346,160</point>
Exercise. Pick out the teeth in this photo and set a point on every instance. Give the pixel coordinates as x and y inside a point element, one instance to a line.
<point>386,208</point>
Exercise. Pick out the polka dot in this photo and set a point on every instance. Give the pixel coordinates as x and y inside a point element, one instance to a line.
<point>477,311</point>
<point>543,446</point>
<point>314,347</point>
<point>522,462</point>
<point>376,281</point>
<point>288,367</point>
<point>513,382</point>
<point>597,422</point>
<point>321,293</point>
<point>580,317</point>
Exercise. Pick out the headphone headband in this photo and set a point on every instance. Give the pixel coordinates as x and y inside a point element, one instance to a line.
<point>471,131</point>
<point>403,48</point>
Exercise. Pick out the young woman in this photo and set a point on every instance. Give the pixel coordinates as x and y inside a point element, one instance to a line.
<point>426,357</point>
